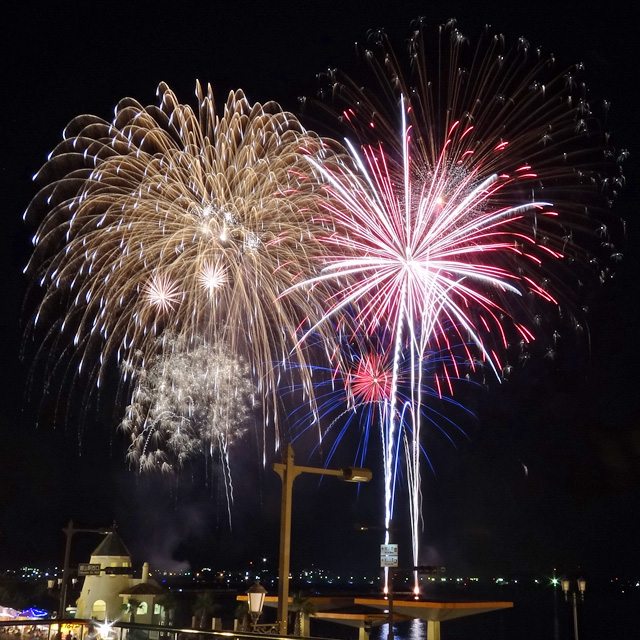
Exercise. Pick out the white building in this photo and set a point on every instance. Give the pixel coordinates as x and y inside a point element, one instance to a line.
<point>103,596</point>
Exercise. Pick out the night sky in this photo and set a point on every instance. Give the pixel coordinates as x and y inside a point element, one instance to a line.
<point>550,473</point>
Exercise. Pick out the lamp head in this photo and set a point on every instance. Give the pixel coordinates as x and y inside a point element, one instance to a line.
<point>256,594</point>
<point>356,474</point>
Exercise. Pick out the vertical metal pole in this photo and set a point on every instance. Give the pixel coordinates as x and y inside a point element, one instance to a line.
<point>390,632</point>
<point>287,473</point>
<point>556,624</point>
<point>65,570</point>
<point>390,574</point>
<point>575,617</point>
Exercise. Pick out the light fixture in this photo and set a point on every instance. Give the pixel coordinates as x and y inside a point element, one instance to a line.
<point>581,583</point>
<point>356,474</point>
<point>255,596</point>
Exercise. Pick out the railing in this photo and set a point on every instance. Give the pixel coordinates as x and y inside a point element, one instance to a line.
<point>53,629</point>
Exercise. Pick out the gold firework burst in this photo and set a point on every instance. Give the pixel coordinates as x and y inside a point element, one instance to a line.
<point>168,219</point>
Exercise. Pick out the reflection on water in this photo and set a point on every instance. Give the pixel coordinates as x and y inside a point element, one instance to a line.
<point>536,616</point>
<point>409,630</point>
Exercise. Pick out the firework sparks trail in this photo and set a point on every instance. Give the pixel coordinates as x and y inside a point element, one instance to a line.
<point>472,195</point>
<point>360,397</point>
<point>167,220</point>
<point>192,399</point>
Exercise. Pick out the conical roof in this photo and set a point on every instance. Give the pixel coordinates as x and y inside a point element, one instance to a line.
<point>111,546</point>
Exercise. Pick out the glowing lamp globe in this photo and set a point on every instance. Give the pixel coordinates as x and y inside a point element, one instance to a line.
<point>256,594</point>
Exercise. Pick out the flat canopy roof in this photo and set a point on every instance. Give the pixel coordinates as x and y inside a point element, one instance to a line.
<point>357,611</point>
<point>434,610</point>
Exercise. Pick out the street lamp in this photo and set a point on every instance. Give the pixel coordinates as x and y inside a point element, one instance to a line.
<point>256,594</point>
<point>288,472</point>
<point>567,585</point>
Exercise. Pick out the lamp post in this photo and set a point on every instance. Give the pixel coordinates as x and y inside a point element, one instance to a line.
<point>288,472</point>
<point>256,594</point>
<point>569,587</point>
<point>390,635</point>
<point>69,531</point>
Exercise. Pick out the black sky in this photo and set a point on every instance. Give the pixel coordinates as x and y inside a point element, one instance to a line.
<point>551,473</point>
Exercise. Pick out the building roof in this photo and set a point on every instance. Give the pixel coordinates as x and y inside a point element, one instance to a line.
<point>111,546</point>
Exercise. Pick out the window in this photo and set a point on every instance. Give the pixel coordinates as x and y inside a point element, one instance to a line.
<point>99,610</point>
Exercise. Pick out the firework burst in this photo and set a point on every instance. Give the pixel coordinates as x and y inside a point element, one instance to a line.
<point>356,395</point>
<point>474,198</point>
<point>192,399</point>
<point>170,220</point>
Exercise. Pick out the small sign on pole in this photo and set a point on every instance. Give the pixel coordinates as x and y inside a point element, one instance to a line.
<point>388,555</point>
<point>88,569</point>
